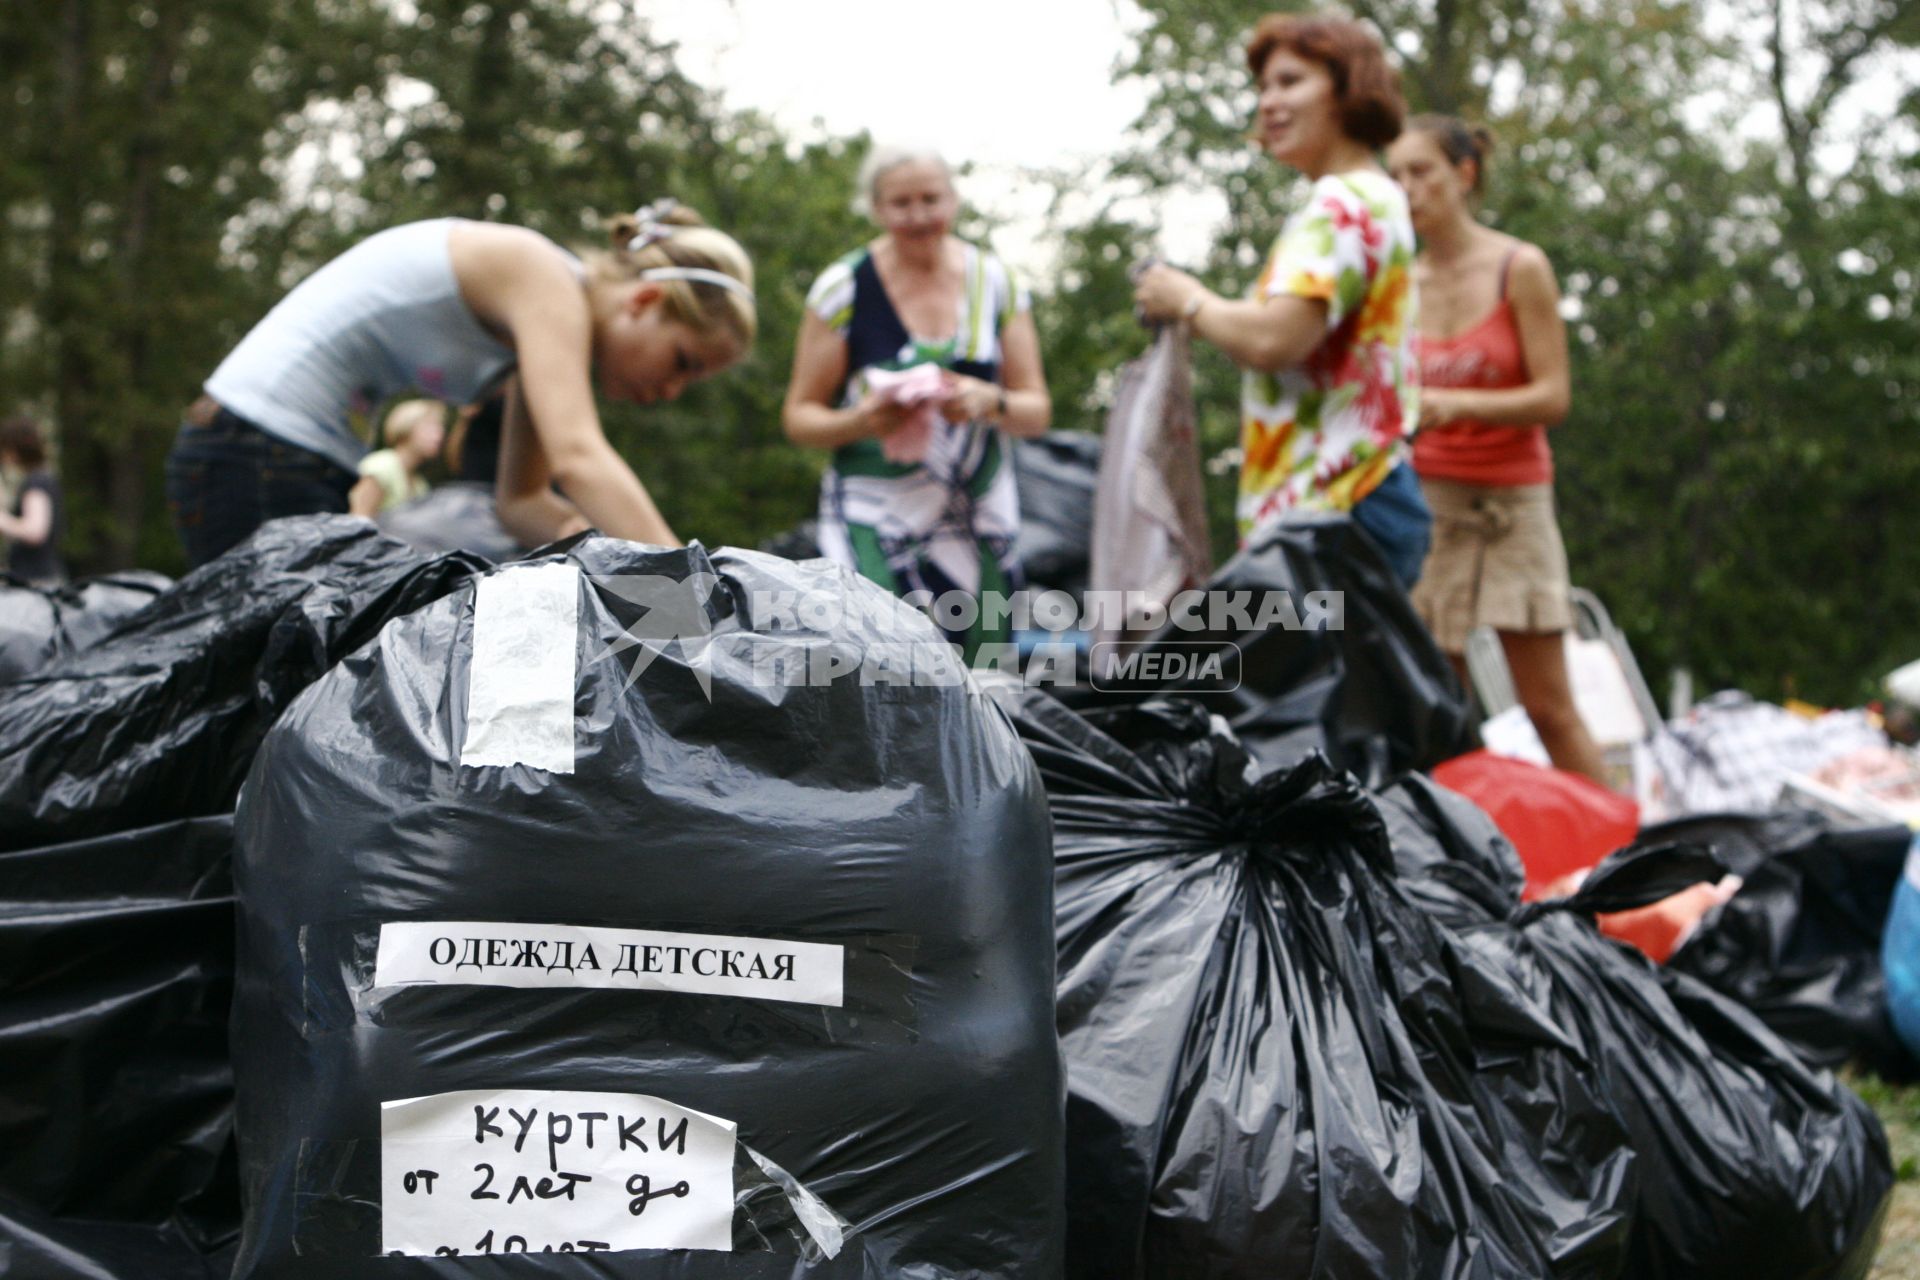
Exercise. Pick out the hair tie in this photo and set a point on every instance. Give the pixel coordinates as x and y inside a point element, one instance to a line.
<point>700,274</point>
<point>652,229</point>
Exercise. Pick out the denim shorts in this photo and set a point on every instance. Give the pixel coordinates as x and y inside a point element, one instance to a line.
<point>226,477</point>
<point>1396,517</point>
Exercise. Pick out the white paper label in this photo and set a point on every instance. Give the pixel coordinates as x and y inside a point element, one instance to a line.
<point>532,1171</point>
<point>494,954</point>
<point>520,685</point>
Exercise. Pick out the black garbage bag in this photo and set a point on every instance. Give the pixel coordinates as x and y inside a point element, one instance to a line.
<point>1321,651</point>
<point>688,867</point>
<point>802,542</point>
<point>1452,858</point>
<point>35,1246</point>
<point>1741,842</point>
<point>39,626</point>
<point>1751,1164</point>
<point>159,721</point>
<point>1056,476</point>
<point>1799,943</point>
<point>1277,1064</point>
<point>456,515</point>
<point>116,922</point>
<point>116,1102</point>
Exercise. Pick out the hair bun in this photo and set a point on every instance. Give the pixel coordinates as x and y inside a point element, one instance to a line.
<point>622,228</point>
<point>650,223</point>
<point>1482,139</point>
<point>680,215</point>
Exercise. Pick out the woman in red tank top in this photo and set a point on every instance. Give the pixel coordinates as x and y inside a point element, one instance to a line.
<point>1493,369</point>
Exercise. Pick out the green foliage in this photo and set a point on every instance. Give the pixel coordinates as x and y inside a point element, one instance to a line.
<point>177,167</point>
<point>134,135</point>
<point>1734,477</point>
<point>1735,480</point>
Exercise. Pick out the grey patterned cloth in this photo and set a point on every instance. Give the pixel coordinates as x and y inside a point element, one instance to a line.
<point>1731,752</point>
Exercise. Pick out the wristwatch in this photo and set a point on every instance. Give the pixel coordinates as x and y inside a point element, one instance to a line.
<point>1000,405</point>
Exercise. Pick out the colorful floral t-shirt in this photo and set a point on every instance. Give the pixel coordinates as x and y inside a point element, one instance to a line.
<point>1323,435</point>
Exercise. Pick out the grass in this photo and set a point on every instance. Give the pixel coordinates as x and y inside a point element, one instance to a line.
<point>1899,1110</point>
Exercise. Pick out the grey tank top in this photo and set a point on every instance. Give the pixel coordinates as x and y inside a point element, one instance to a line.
<point>383,319</point>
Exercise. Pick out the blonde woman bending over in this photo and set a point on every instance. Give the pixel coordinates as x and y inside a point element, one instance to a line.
<point>454,309</point>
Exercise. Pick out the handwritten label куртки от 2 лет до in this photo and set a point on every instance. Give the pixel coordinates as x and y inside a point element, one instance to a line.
<point>536,1171</point>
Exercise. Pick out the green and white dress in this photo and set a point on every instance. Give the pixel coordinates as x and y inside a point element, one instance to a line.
<point>946,523</point>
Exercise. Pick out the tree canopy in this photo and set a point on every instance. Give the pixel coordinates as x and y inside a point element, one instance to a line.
<point>1727,192</point>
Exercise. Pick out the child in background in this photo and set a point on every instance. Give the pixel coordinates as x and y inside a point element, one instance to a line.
<point>31,522</point>
<point>391,476</point>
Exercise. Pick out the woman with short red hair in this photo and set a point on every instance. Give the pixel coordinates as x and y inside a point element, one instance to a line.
<point>1326,335</point>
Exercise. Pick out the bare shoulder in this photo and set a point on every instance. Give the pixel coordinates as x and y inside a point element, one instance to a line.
<point>1529,273</point>
<point>500,266</point>
<point>493,247</point>
<point>1529,260</point>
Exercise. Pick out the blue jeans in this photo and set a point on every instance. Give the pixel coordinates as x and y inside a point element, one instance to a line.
<point>1396,517</point>
<point>226,478</point>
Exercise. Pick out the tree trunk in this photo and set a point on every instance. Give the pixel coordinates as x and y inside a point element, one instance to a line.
<point>68,315</point>
<point>130,465</point>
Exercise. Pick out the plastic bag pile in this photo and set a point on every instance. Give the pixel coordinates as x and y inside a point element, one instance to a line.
<point>1313,1032</point>
<point>697,911</point>
<point>119,765</point>
<point>1751,1162</point>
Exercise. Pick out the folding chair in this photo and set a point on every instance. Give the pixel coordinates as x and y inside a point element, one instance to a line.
<point>1608,688</point>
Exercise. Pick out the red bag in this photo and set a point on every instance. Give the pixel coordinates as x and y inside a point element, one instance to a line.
<point>1561,823</point>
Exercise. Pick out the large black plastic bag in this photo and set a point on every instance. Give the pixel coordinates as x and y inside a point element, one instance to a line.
<point>1751,1164</point>
<point>41,625</point>
<point>118,767</point>
<point>1374,693</point>
<point>457,515</point>
<point>116,1098</point>
<point>904,823</point>
<point>37,1246</point>
<point>1451,856</point>
<point>1057,473</point>
<point>160,720</point>
<point>1278,1065</point>
<point>1799,943</point>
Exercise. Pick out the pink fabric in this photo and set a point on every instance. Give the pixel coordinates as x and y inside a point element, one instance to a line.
<point>1659,930</point>
<point>921,388</point>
